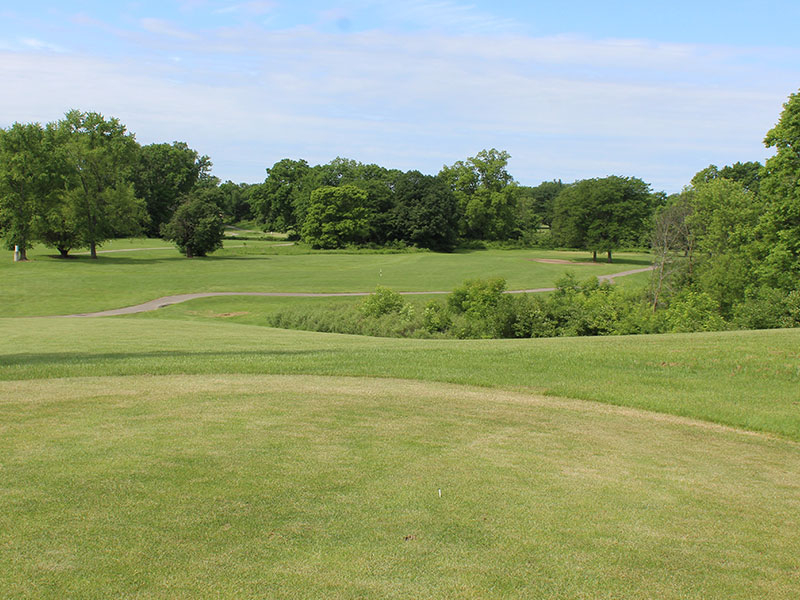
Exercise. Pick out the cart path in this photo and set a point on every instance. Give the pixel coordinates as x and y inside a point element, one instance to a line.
<point>178,298</point>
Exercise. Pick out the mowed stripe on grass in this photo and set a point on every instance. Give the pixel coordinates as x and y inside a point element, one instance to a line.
<point>305,486</point>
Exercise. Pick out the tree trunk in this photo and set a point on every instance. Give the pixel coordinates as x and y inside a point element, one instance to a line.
<point>64,252</point>
<point>189,253</point>
<point>23,254</point>
<point>93,250</point>
<point>594,255</point>
<point>609,256</point>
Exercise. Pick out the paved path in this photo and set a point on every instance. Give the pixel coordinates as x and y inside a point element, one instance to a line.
<point>178,298</point>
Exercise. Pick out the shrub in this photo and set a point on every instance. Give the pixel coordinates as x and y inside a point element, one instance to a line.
<point>436,317</point>
<point>693,311</point>
<point>382,302</point>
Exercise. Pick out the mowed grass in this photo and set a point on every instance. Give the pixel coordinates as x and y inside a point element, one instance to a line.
<point>199,454</point>
<point>134,273</point>
<point>231,486</point>
<point>748,379</point>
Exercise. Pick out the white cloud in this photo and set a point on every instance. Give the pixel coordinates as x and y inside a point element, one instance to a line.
<point>255,8</point>
<point>563,107</point>
<point>165,28</point>
<point>35,44</point>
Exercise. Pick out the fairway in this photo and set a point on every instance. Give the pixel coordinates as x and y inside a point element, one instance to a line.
<point>308,487</point>
<point>135,273</point>
<point>194,452</point>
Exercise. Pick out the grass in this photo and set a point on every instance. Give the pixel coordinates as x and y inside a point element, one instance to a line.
<point>48,285</point>
<point>743,379</point>
<point>307,487</point>
<point>195,453</point>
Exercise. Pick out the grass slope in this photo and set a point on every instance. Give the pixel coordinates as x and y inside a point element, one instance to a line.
<point>745,379</point>
<point>50,286</point>
<point>213,486</point>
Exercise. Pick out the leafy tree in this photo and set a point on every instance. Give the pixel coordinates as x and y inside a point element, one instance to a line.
<point>58,229</point>
<point>603,214</point>
<point>780,187</point>
<point>284,191</point>
<point>30,180</point>
<point>235,201</point>
<point>162,174</point>
<point>539,201</point>
<point>337,216</point>
<point>425,212</point>
<point>486,194</point>
<point>196,227</point>
<point>747,174</point>
<point>100,153</point>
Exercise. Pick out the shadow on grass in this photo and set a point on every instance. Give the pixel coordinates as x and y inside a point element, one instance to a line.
<point>58,359</point>
<point>117,259</point>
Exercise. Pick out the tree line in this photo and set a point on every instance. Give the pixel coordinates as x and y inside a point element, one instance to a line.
<point>84,179</point>
<point>728,243</point>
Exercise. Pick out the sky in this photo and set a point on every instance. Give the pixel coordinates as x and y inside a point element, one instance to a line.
<point>571,90</point>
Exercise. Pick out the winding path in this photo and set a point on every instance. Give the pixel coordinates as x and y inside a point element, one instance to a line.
<point>178,298</point>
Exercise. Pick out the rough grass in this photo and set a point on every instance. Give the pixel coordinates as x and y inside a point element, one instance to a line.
<point>48,286</point>
<point>237,486</point>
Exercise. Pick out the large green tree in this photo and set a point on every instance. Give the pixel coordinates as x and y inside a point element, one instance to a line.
<point>162,174</point>
<point>425,212</point>
<point>780,188</point>
<point>30,180</point>
<point>486,194</point>
<point>602,215</point>
<point>100,153</point>
<point>336,216</point>
<point>722,223</point>
<point>283,195</point>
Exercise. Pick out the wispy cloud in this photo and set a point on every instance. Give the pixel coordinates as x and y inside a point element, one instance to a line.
<point>563,107</point>
<point>165,28</point>
<point>35,44</point>
<point>255,8</point>
<point>446,15</point>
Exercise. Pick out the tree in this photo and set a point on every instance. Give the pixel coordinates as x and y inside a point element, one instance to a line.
<point>162,174</point>
<point>30,180</point>
<point>100,154</point>
<point>671,238</point>
<point>603,214</point>
<point>486,194</point>
<point>425,212</point>
<point>748,174</point>
<point>780,188</point>
<point>337,216</point>
<point>196,227</point>
<point>541,199</point>
<point>276,201</point>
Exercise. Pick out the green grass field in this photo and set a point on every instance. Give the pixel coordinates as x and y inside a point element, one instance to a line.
<point>195,453</point>
<point>48,285</point>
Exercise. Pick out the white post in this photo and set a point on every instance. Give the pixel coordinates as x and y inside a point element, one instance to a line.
<point>16,253</point>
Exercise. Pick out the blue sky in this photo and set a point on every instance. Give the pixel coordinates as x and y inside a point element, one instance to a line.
<point>656,90</point>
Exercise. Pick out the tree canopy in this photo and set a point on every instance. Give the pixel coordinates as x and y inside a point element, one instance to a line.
<point>603,214</point>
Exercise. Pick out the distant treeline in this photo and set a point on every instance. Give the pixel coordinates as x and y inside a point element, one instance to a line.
<point>729,243</point>
<point>80,181</point>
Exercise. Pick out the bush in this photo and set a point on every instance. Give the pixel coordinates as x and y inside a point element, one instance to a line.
<point>436,318</point>
<point>382,302</point>
<point>693,311</point>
